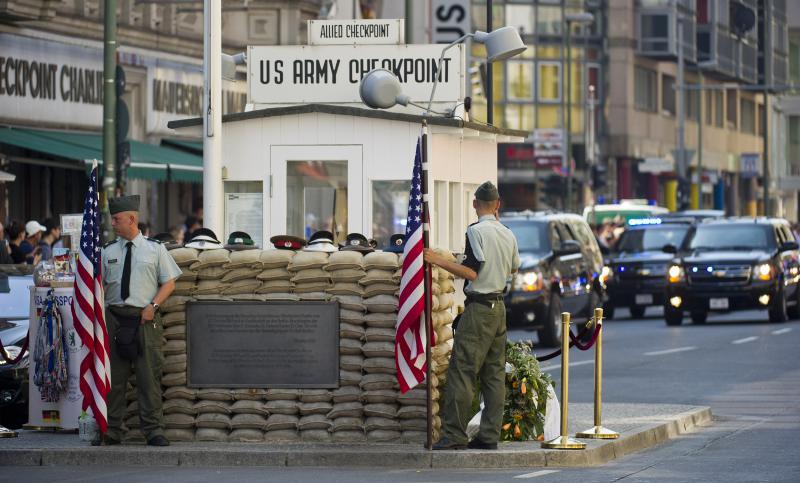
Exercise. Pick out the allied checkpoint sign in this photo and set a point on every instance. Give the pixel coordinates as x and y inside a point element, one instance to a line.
<point>349,32</point>
<point>296,74</point>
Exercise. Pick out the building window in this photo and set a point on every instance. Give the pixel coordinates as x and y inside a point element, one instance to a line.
<point>520,80</point>
<point>708,99</point>
<point>548,21</point>
<point>794,57</point>
<point>748,119</point>
<point>645,89</point>
<point>667,94</point>
<point>719,108</point>
<point>691,100</point>
<point>521,17</point>
<point>761,119</point>
<point>549,81</point>
<point>316,198</point>
<point>732,113</point>
<point>794,139</point>
<point>389,209</point>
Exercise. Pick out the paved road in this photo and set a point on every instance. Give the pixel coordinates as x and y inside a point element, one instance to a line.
<point>745,368</point>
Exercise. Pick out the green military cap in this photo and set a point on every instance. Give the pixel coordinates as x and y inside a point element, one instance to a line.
<point>123,203</point>
<point>487,192</point>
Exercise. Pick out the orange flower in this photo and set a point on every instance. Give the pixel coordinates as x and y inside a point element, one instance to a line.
<point>514,384</point>
<point>517,431</point>
<point>506,426</point>
<point>523,389</point>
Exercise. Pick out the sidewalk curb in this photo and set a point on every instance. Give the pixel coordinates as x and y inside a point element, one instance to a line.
<point>597,452</point>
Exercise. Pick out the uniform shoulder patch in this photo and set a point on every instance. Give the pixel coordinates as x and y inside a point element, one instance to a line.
<point>115,240</point>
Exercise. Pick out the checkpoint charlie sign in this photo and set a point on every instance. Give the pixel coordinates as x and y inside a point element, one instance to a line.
<point>333,73</point>
<point>349,32</point>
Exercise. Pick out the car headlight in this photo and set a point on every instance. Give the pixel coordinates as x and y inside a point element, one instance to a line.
<point>675,274</point>
<point>530,281</point>
<point>764,272</point>
<point>605,275</point>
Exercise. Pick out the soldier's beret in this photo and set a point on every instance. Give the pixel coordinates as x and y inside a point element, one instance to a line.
<point>123,203</point>
<point>287,242</point>
<point>487,192</point>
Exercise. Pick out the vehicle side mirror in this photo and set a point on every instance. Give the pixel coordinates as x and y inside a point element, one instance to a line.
<point>789,245</point>
<point>669,248</point>
<point>568,247</point>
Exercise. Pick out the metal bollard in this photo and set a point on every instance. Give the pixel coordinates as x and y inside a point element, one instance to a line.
<point>564,441</point>
<point>598,431</point>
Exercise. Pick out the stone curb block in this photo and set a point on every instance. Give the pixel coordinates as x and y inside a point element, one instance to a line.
<point>597,453</point>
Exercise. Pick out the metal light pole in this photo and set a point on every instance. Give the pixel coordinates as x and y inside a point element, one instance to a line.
<point>681,148</point>
<point>109,112</point>
<point>579,18</point>
<point>212,117</point>
<point>765,135</point>
<point>489,76</point>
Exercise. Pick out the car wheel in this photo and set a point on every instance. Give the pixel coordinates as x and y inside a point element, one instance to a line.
<point>777,309</point>
<point>608,311</point>
<point>794,311</point>
<point>637,311</point>
<point>673,316</point>
<point>699,317</point>
<point>550,334</point>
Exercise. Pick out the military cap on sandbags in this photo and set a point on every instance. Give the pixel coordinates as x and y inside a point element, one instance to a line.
<point>287,242</point>
<point>357,242</point>
<point>396,243</point>
<point>487,192</point>
<point>123,203</point>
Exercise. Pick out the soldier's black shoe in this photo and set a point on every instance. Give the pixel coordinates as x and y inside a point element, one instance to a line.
<point>446,444</point>
<point>105,441</point>
<point>478,444</point>
<point>158,441</point>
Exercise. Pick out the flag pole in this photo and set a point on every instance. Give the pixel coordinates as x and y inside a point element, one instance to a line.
<point>427,271</point>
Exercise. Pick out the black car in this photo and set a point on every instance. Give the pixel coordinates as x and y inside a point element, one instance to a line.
<point>15,281</point>
<point>638,265</point>
<point>734,264</point>
<point>560,272</point>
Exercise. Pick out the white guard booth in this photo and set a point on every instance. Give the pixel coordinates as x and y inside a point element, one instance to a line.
<point>298,169</point>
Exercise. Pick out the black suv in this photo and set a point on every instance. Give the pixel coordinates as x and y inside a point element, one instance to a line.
<point>638,265</point>
<point>560,272</point>
<point>734,264</point>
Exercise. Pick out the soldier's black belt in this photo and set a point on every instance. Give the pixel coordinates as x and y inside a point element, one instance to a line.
<point>125,310</point>
<point>488,299</point>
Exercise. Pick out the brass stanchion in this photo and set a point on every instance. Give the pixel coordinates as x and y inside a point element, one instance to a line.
<point>598,431</point>
<point>564,441</point>
<point>7,433</point>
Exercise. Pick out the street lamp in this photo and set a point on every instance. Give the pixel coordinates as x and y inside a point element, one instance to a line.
<point>580,18</point>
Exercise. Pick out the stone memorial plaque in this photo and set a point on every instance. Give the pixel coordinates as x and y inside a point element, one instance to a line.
<point>262,344</point>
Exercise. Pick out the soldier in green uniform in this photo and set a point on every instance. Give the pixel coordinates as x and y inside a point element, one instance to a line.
<point>480,340</point>
<point>138,275</point>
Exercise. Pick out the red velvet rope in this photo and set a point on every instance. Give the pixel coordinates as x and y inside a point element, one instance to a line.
<point>19,356</point>
<point>572,338</point>
<point>585,347</point>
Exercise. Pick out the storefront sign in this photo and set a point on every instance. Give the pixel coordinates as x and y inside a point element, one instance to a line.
<point>176,92</point>
<point>525,156</point>
<point>656,165</point>
<point>257,344</point>
<point>332,73</point>
<point>548,145</point>
<point>450,20</point>
<point>748,165</point>
<point>349,32</point>
<point>43,80</point>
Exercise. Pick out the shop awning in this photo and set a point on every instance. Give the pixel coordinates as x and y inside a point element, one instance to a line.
<point>148,161</point>
<point>8,177</point>
<point>194,147</point>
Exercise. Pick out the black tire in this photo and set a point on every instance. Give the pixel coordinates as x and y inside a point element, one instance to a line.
<point>777,309</point>
<point>672,316</point>
<point>550,334</point>
<point>637,311</point>
<point>699,317</point>
<point>794,311</point>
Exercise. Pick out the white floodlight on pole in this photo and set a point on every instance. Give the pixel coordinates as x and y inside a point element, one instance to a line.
<point>229,63</point>
<point>501,44</point>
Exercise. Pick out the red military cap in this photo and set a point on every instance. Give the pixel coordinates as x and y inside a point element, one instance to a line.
<point>287,242</point>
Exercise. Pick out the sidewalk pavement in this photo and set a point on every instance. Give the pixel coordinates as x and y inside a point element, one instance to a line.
<point>641,426</point>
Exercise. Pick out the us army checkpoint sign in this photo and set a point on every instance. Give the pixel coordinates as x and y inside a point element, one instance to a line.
<point>295,74</point>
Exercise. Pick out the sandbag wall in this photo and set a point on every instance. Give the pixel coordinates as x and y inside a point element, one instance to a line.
<point>366,407</point>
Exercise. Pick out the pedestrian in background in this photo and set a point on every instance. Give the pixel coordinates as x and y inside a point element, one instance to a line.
<point>138,276</point>
<point>191,225</point>
<point>5,249</point>
<point>492,256</point>
<point>16,235</point>
<point>52,234</point>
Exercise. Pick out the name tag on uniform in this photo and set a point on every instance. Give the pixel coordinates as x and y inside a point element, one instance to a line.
<point>113,260</point>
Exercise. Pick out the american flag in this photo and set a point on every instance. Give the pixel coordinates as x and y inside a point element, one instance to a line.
<point>87,310</point>
<point>410,338</point>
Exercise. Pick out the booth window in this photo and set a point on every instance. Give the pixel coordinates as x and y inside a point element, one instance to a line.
<point>389,209</point>
<point>316,198</point>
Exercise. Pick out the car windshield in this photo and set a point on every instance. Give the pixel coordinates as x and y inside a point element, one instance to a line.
<point>652,238</point>
<point>732,237</point>
<point>531,235</point>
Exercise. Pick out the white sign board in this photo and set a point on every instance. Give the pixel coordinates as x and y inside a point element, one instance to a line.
<point>349,32</point>
<point>175,91</point>
<point>748,165</point>
<point>656,165</point>
<point>450,20</point>
<point>245,212</point>
<point>548,142</point>
<point>64,413</point>
<point>332,73</point>
<point>41,80</point>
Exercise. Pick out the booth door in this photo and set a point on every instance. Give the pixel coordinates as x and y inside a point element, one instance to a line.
<point>316,188</point>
